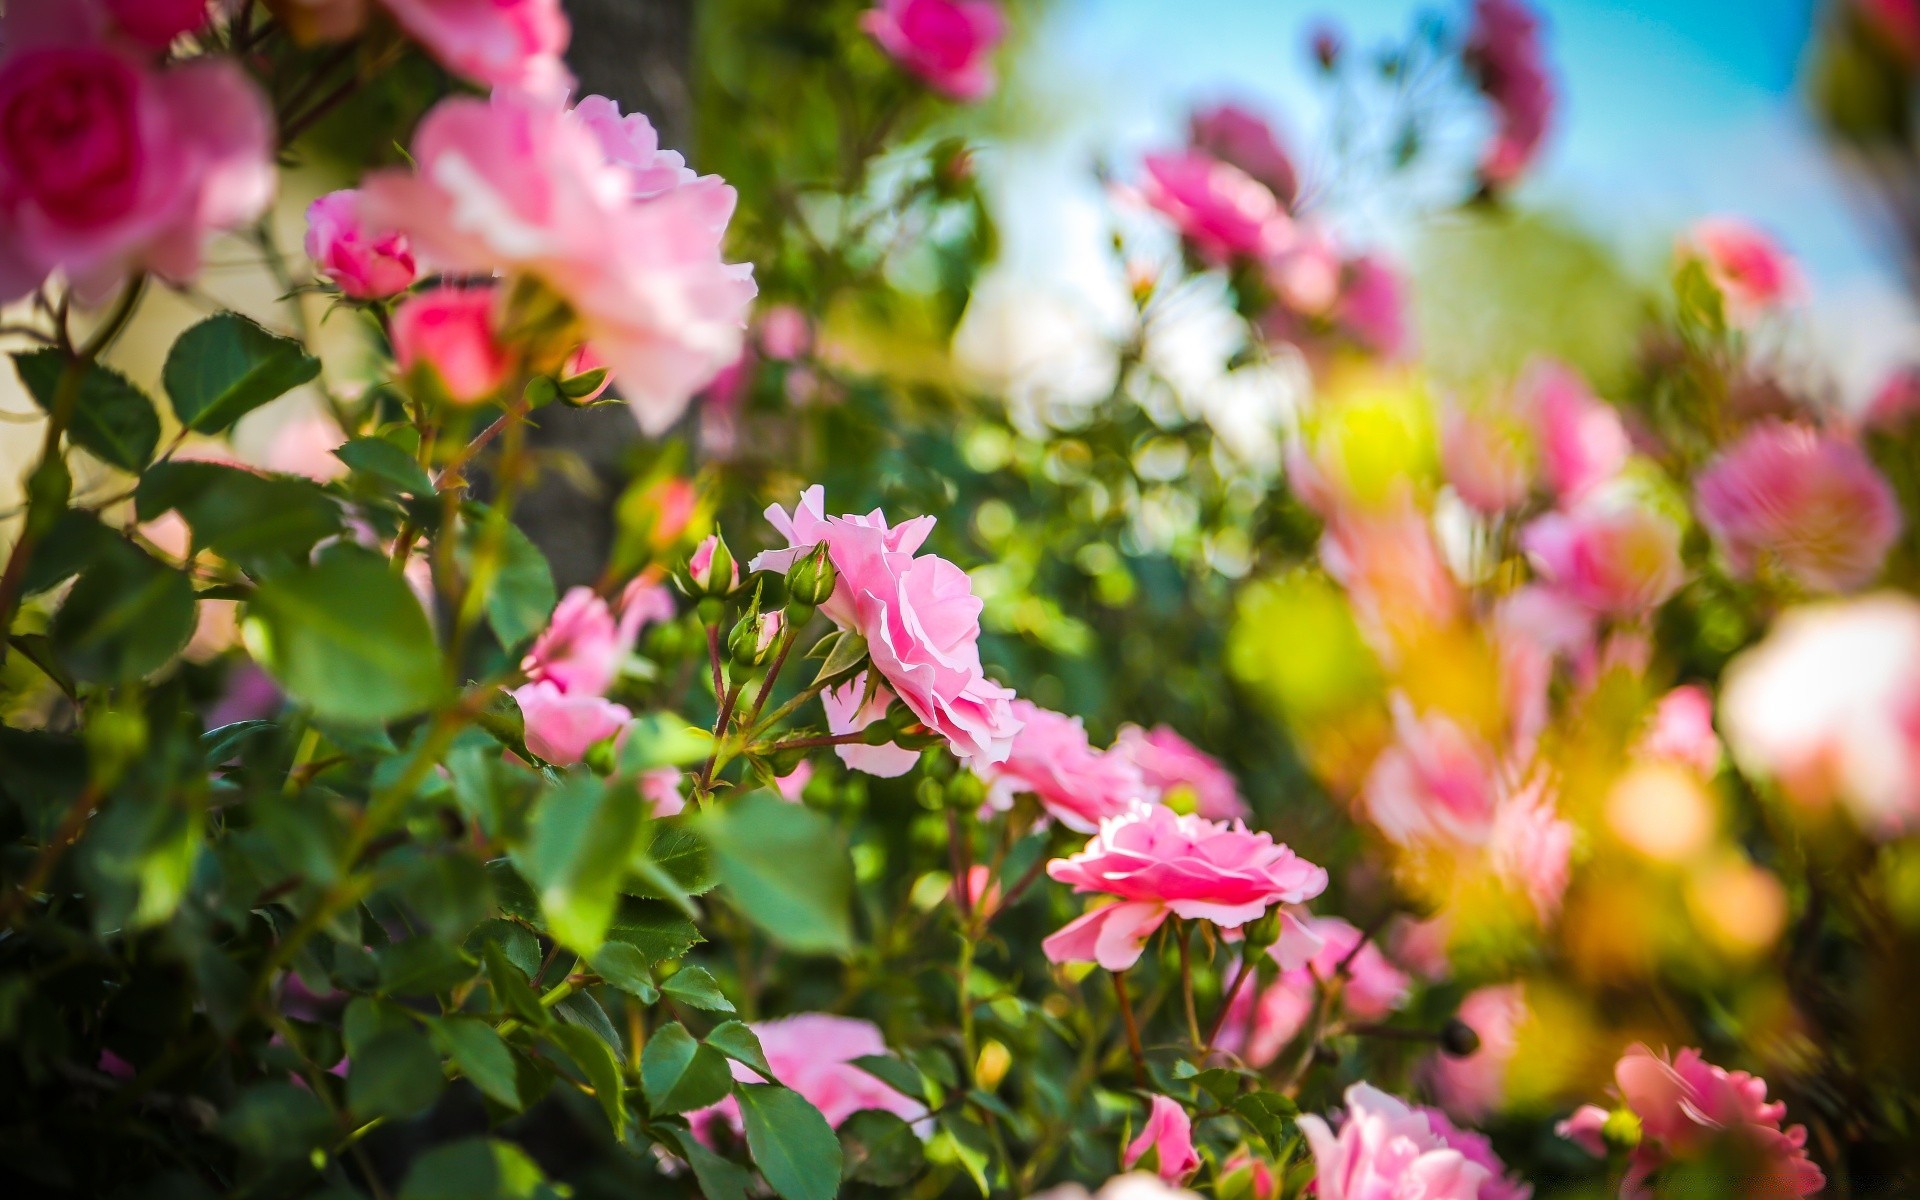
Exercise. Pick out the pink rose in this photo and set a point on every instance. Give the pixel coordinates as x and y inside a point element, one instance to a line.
<point>110,165</point>
<point>1812,502</point>
<point>1616,557</point>
<point>1159,863</point>
<point>1503,49</point>
<point>1172,766</point>
<point>580,650</point>
<point>785,332</point>
<point>1896,402</point>
<point>1474,1086</point>
<point>1372,309</point>
<point>155,23</point>
<point>700,566</point>
<point>1688,1108</point>
<point>451,330</point>
<point>1582,443</point>
<point>1052,761</point>
<point>918,614</point>
<point>846,714</point>
<point>1435,782</point>
<point>367,264</point>
<point>1392,569</point>
<point>813,1054</point>
<point>1682,730</point>
<point>523,187</point>
<point>643,602</point>
<point>1221,211</point>
<point>1475,1147</point>
<point>1828,706</point>
<point>1488,455</point>
<point>947,43</point>
<point>304,444</point>
<point>1386,1148</point>
<point>1532,847</point>
<point>1258,1029</point>
<point>793,784</point>
<point>1169,1134</point>
<point>561,725</point>
<point>1753,273</point>
<point>1240,137</point>
<point>660,788</point>
<point>1586,1128</point>
<point>499,43</point>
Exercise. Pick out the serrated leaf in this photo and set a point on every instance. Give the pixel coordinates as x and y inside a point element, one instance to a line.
<point>843,661</point>
<point>127,615</point>
<point>511,991</point>
<point>791,1142</point>
<point>880,1148</point>
<point>596,1062</point>
<point>785,868</point>
<point>679,1074</point>
<point>481,1055</point>
<point>902,1077</point>
<point>381,460</point>
<point>397,1074</point>
<point>475,1169</point>
<point>255,520</point>
<point>742,1045</point>
<point>653,929</point>
<point>222,745</point>
<point>1271,1115</point>
<point>576,858</point>
<point>110,419</point>
<point>226,366</point>
<point>624,967</point>
<point>662,740</point>
<point>696,986</point>
<point>523,593</point>
<point>583,1010</point>
<point>719,1178</point>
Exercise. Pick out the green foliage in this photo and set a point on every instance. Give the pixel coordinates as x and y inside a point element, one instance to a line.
<point>785,869</point>
<point>226,366</point>
<point>792,1143</point>
<point>111,419</point>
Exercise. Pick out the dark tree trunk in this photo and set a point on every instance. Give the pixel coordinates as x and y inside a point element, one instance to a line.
<point>637,52</point>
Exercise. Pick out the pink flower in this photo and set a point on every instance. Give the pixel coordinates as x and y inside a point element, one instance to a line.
<point>1436,782</point>
<point>1393,571</point>
<point>1221,211</point>
<point>1811,501</point>
<point>947,43</point>
<point>813,1054</point>
<point>700,563</point>
<point>846,714</point>
<point>785,333</point>
<point>561,725</point>
<point>580,650</point>
<point>1753,273</point>
<point>1586,1128</point>
<point>1386,1148</point>
<point>500,43</point>
<point>1828,706</point>
<point>1373,307</point>
<point>660,788</point>
<point>155,23</point>
<point>368,264</point>
<point>1371,988</point>
<point>1241,138</point>
<point>1682,730</point>
<point>1532,847</point>
<point>919,616</point>
<point>1488,455</point>
<point>1688,1107</point>
<point>643,602</point>
<point>304,444</point>
<point>1477,1149</point>
<point>1171,765</point>
<point>1053,761</point>
<point>1472,1087</point>
<point>1504,50</point>
<point>523,187</point>
<point>1897,401</point>
<point>1159,863</point>
<point>451,330</point>
<point>110,165</point>
<point>1616,557</point>
<point>1169,1134</point>
<point>794,783</point>
<point>1581,440</point>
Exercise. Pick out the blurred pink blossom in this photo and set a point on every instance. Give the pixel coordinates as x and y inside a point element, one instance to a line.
<point>660,788</point>
<point>1221,211</point>
<point>500,43</point>
<point>1436,782</point>
<point>561,725</point>
<point>1504,50</point>
<point>1811,501</point>
<point>155,23</point>
<point>786,333</point>
<point>366,263</point>
<point>580,649</point>
<point>1615,556</point>
<point>1489,457</point>
<point>1237,135</point>
<point>1474,1086</point>
<point>1387,1148</point>
<point>1169,764</point>
<point>1582,443</point>
<point>1532,847</point>
<point>1682,730</point>
<point>1168,1133</point>
<point>1897,400</point>
<point>304,444</point>
<point>1753,273</point>
<point>451,330</point>
<point>1053,761</point>
<point>1372,988</point>
<point>813,1054</point>
<point>1477,1149</point>
<point>1373,307</point>
<point>947,43</point>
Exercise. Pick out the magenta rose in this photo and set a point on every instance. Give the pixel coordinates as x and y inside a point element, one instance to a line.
<point>947,43</point>
<point>155,23</point>
<point>1503,48</point>
<point>451,330</point>
<point>366,263</point>
<point>1221,211</point>
<point>1241,137</point>
<point>1753,273</point>
<point>500,43</point>
<point>1581,441</point>
<point>1053,761</point>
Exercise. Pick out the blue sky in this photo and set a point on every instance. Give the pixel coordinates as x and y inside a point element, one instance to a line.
<point>1672,109</point>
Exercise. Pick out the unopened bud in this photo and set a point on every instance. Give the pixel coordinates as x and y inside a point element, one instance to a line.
<point>710,571</point>
<point>879,733</point>
<point>810,580</point>
<point>583,378</point>
<point>753,636</point>
<point>1622,1129</point>
<point>966,792</point>
<point>1458,1039</point>
<point>1263,932</point>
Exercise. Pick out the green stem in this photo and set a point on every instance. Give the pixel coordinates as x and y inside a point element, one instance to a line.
<point>1183,938</point>
<point>787,638</point>
<point>1133,1029</point>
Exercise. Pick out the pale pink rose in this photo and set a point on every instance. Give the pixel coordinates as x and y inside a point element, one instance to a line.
<point>1387,1149</point>
<point>700,563</point>
<point>1896,402</point>
<point>1586,1128</point>
<point>1168,1132</point>
<point>1171,765</point>
<point>1503,49</point>
<point>1221,211</point>
<point>630,142</point>
<point>1489,457</point>
<point>1582,443</point>
<point>304,444</point>
<point>1373,308</point>
<point>1258,1029</point>
<point>1258,1179</point>
<point>1474,1086</point>
<point>560,726</point>
<point>1306,275</point>
<point>1422,945</point>
<point>1612,555</point>
<point>1754,275</point>
<point>1812,502</point>
<point>1682,730</point>
<point>813,1054</point>
<point>1689,1108</point>
<point>1436,783</point>
<point>500,43</point>
<point>1477,1149</point>
<point>660,788</point>
<point>1532,847</point>
<point>1828,706</point>
<point>1053,762</point>
<point>1159,863</point>
<point>1393,571</point>
<point>794,783</point>
<point>847,714</point>
<point>918,614</point>
<point>366,263</point>
<point>110,165</point>
<point>581,648</point>
<point>785,332</point>
<point>1242,138</point>
<point>947,43</point>
<point>643,602</point>
<point>451,330</point>
<point>523,187</point>
<point>155,23</point>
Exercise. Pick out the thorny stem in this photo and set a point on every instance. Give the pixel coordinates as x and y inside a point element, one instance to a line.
<point>1247,967</point>
<point>810,743</point>
<point>720,721</point>
<point>788,637</point>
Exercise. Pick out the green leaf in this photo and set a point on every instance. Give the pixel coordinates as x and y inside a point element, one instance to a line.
<point>785,868</point>
<point>791,1142</point>
<point>422,966</point>
<point>740,1044</point>
<point>1271,1116</point>
<point>222,745</point>
<point>679,1074</point>
<point>653,929</point>
<point>880,1148</point>
<point>111,420</point>
<point>346,637</point>
<point>523,594</point>
<point>481,1055</point>
<point>719,1178</point>
<point>680,855</point>
<point>126,616</point>
<point>696,986</point>
<point>254,520</point>
<point>381,460</point>
<point>583,1010</point>
<point>662,740</point>
<point>226,366</point>
<point>625,968</point>
<point>76,540</point>
<point>511,991</point>
<point>596,1062</point>
<point>902,1077</point>
<point>272,1122</point>
<point>475,1169</point>
<point>849,650</point>
<point>577,857</point>
<point>397,1074</point>
<point>965,1142</point>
